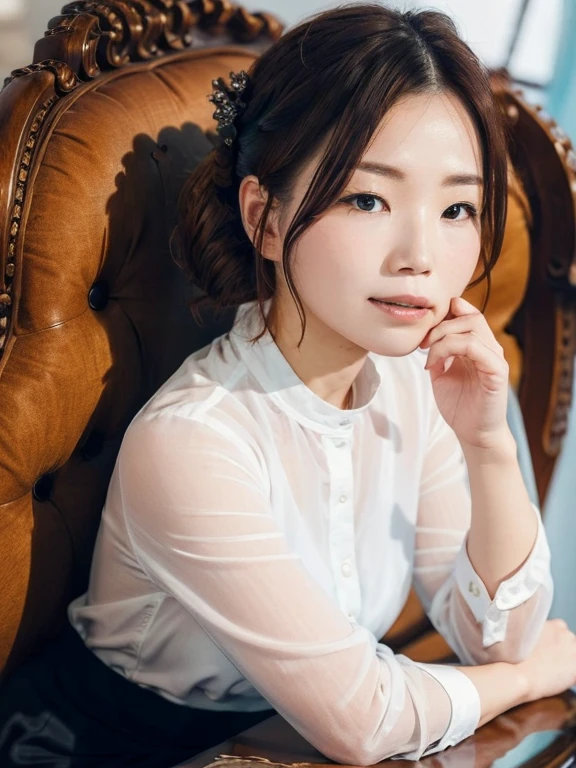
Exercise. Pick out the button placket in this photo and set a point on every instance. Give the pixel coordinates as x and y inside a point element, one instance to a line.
<point>341,521</point>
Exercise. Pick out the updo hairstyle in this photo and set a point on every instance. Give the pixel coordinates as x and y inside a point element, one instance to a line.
<point>327,82</point>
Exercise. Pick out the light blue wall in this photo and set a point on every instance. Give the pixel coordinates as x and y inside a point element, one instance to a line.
<point>562,94</point>
<point>560,511</point>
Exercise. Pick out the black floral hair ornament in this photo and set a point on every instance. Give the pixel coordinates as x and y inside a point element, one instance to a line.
<point>229,104</point>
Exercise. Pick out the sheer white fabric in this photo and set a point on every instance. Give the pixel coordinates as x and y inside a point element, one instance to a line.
<point>257,541</point>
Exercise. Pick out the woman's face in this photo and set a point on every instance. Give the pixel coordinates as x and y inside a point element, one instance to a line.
<point>406,230</point>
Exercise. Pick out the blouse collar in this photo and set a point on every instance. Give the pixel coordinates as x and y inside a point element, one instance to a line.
<point>266,362</point>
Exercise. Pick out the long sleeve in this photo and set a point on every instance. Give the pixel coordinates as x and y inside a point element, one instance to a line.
<point>478,628</point>
<point>196,501</point>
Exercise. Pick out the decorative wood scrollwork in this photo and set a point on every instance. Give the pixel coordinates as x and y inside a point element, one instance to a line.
<point>66,78</point>
<point>557,425</point>
<point>91,36</point>
<point>16,212</point>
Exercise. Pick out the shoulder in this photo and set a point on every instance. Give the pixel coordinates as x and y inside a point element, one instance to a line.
<point>208,386</point>
<point>202,405</point>
<point>174,457</point>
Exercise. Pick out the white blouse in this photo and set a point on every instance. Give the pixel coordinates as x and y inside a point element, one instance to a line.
<point>257,542</point>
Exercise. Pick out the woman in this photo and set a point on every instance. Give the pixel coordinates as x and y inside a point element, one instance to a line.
<point>273,502</point>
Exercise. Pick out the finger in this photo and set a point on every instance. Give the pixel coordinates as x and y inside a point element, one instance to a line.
<point>469,346</point>
<point>561,623</point>
<point>460,307</point>
<point>476,323</point>
<point>448,364</point>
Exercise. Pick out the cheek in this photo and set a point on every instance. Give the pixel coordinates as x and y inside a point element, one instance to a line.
<point>323,257</point>
<point>462,260</point>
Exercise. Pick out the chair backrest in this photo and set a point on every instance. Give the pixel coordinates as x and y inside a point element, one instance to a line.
<point>96,138</point>
<point>544,162</point>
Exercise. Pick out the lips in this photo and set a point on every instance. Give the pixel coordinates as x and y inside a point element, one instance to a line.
<point>406,301</point>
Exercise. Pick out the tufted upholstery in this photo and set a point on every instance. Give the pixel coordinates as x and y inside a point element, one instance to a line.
<point>98,313</point>
<point>96,140</point>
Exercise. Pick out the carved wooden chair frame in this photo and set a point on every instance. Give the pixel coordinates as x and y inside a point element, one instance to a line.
<point>91,37</point>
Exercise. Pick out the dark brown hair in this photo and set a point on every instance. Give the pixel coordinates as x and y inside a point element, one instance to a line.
<point>333,76</point>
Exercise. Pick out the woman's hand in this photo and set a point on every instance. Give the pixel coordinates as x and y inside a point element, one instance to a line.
<point>469,376</point>
<point>551,667</point>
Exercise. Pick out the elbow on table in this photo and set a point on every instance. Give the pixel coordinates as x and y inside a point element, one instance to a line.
<point>352,753</point>
<point>358,748</point>
<point>368,728</point>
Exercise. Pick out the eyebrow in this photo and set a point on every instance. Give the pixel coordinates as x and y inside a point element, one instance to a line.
<point>454,180</point>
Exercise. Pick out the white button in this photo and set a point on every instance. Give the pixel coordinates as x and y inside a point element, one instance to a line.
<point>352,616</point>
<point>340,444</point>
<point>346,568</point>
<point>345,423</point>
<point>343,498</point>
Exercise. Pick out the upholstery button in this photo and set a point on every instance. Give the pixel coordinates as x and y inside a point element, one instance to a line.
<point>43,488</point>
<point>98,296</point>
<point>346,568</point>
<point>92,446</point>
<point>342,498</point>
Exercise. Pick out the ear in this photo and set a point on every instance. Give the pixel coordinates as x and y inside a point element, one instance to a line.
<point>252,200</point>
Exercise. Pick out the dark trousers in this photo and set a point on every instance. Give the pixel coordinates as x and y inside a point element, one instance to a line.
<point>67,709</point>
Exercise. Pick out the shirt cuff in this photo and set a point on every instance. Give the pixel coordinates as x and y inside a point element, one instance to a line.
<point>465,702</point>
<point>512,592</point>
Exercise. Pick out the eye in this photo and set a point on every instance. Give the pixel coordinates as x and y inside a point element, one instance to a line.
<point>365,202</point>
<point>453,212</point>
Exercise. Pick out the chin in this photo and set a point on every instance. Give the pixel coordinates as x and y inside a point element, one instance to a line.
<point>389,350</point>
<point>398,343</point>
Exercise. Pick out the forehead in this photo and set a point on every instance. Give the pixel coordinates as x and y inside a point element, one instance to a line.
<point>432,132</point>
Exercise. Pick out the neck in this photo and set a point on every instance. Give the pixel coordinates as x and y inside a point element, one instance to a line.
<point>326,362</point>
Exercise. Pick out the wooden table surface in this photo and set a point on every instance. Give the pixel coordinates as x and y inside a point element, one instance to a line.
<point>542,733</point>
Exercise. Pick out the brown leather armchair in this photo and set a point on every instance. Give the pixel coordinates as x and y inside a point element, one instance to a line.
<point>96,138</point>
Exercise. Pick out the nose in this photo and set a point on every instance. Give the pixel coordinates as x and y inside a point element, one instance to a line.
<point>413,248</point>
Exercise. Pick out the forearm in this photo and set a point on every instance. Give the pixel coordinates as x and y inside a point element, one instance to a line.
<point>500,686</point>
<point>503,527</point>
